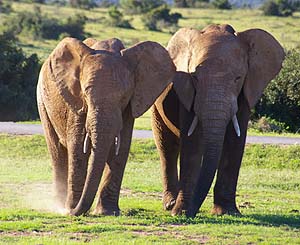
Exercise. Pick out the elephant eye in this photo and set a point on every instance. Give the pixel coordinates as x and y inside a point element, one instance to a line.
<point>237,79</point>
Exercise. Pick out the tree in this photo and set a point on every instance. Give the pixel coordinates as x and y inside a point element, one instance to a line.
<point>279,7</point>
<point>18,78</point>
<point>84,4</point>
<point>140,6</point>
<point>115,18</point>
<point>281,99</point>
<point>160,15</point>
<point>5,7</point>
<point>221,4</point>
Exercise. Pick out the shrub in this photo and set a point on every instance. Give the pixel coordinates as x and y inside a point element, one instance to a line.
<point>189,3</point>
<point>279,7</point>
<point>221,4</point>
<point>281,99</point>
<point>160,15</point>
<point>5,7</point>
<point>115,18</point>
<point>266,124</point>
<point>74,26</point>
<point>140,6</point>
<point>18,78</point>
<point>40,26</point>
<point>83,4</point>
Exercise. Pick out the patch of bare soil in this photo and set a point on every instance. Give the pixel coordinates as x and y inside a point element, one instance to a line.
<point>76,236</point>
<point>200,239</point>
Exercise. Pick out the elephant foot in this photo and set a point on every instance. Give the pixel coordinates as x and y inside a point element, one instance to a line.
<point>230,210</point>
<point>179,208</point>
<point>169,200</point>
<point>107,211</point>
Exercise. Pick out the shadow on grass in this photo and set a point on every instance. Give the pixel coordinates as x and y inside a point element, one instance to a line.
<point>289,220</point>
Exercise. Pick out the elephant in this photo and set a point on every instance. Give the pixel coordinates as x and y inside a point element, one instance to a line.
<point>204,113</point>
<point>88,95</point>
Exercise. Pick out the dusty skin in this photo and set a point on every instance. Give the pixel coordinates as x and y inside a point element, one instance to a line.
<point>88,96</point>
<point>220,76</point>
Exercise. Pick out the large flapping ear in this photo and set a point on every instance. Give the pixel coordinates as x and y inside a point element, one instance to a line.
<point>64,65</point>
<point>184,88</point>
<point>112,45</point>
<point>152,69</point>
<point>265,57</point>
<point>179,50</point>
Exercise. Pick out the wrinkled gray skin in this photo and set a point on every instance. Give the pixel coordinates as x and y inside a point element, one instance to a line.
<point>220,76</point>
<point>88,96</point>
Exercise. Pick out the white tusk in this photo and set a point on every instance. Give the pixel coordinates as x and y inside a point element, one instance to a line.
<point>236,126</point>
<point>86,143</point>
<point>193,126</point>
<point>117,143</point>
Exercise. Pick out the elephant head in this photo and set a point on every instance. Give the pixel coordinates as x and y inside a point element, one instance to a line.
<point>214,67</point>
<point>101,84</point>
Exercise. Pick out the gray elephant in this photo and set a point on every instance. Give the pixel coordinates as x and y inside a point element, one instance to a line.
<point>87,100</point>
<point>204,114</point>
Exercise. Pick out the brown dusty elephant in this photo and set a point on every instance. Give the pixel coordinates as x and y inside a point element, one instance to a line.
<point>87,101</point>
<point>204,114</point>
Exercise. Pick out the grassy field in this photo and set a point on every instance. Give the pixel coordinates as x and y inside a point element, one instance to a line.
<point>268,196</point>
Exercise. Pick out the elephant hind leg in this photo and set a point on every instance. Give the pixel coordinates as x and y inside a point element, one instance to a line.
<point>59,158</point>
<point>167,144</point>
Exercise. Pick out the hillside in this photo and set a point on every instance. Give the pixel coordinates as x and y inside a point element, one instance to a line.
<point>286,30</point>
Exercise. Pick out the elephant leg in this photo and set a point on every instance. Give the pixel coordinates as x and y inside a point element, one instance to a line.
<point>109,191</point>
<point>229,166</point>
<point>59,158</point>
<point>167,144</point>
<point>78,161</point>
<point>191,150</point>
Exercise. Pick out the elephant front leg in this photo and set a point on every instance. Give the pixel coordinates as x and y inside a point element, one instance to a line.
<point>167,144</point>
<point>191,150</point>
<point>77,161</point>
<point>228,170</point>
<point>109,191</point>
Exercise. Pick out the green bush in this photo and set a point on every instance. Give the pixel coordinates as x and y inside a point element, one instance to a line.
<point>74,26</point>
<point>281,99</point>
<point>140,6</point>
<point>161,16</point>
<point>279,7</point>
<point>83,4</point>
<point>5,7</point>
<point>115,18</point>
<point>18,78</point>
<point>40,26</point>
<point>221,4</point>
<point>189,3</point>
<point>266,124</point>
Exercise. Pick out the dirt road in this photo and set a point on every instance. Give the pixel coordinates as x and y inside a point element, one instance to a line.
<point>29,129</point>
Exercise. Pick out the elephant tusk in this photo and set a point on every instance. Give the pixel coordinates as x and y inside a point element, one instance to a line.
<point>193,126</point>
<point>236,126</point>
<point>86,143</point>
<point>117,143</point>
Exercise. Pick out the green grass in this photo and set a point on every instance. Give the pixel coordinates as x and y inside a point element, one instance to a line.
<point>268,196</point>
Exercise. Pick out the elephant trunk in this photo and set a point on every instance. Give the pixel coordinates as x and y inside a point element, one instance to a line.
<point>101,139</point>
<point>213,137</point>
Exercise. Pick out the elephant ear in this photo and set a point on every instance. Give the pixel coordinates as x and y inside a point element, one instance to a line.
<point>184,88</point>
<point>265,57</point>
<point>152,69</point>
<point>64,65</point>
